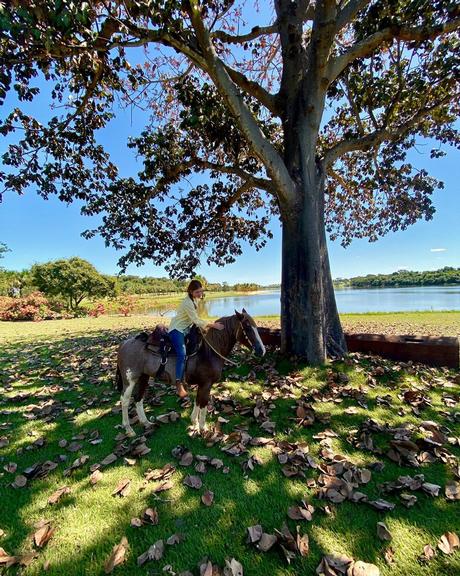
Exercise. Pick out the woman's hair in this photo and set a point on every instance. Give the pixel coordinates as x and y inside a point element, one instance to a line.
<point>194,285</point>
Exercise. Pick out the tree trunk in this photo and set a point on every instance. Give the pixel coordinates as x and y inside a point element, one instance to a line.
<point>310,325</point>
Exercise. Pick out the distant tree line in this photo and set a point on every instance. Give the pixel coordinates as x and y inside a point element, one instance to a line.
<point>75,278</point>
<point>447,275</point>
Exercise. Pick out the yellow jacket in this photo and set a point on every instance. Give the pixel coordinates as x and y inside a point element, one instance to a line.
<point>186,315</point>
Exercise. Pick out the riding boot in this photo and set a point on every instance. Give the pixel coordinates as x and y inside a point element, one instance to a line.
<point>181,390</point>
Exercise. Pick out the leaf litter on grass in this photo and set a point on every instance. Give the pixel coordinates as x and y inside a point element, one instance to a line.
<point>324,470</point>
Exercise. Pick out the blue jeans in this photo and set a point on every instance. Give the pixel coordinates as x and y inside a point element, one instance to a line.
<point>177,338</point>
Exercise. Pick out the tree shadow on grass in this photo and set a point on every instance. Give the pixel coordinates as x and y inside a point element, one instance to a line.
<point>89,521</point>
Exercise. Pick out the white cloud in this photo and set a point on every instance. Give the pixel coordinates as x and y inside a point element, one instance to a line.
<point>438,249</point>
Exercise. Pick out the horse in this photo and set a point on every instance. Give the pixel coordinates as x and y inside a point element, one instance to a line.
<point>136,363</point>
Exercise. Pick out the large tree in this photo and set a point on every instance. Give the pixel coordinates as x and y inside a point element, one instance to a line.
<point>74,280</point>
<point>308,116</point>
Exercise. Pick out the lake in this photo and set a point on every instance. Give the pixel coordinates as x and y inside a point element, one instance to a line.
<point>348,300</point>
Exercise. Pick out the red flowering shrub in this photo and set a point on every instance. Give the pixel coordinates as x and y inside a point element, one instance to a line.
<point>126,305</point>
<point>98,310</point>
<point>33,307</point>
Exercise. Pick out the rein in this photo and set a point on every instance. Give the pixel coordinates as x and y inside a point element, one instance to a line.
<point>218,353</point>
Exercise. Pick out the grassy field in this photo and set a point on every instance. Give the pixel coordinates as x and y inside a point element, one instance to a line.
<point>59,405</point>
<point>424,323</point>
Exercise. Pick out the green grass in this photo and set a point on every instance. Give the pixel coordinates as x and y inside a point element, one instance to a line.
<point>79,356</point>
<point>446,323</point>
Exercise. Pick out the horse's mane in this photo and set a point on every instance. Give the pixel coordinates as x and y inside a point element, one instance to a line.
<point>223,340</point>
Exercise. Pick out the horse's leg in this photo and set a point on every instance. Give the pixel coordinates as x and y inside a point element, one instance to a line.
<point>139,392</point>
<point>201,405</point>
<point>125,401</point>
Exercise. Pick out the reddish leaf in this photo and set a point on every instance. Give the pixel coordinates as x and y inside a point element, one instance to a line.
<point>117,556</point>
<point>42,535</point>
<point>56,496</point>
<point>123,488</point>
<point>7,560</point>
<point>207,498</point>
<point>95,477</point>
<point>150,516</point>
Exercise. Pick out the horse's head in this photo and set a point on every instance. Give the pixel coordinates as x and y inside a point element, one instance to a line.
<point>247,333</point>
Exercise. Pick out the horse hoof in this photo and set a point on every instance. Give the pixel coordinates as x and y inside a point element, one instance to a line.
<point>148,424</point>
<point>192,431</point>
<point>130,432</point>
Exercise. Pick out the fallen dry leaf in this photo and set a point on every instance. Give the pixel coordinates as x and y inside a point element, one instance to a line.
<point>95,477</point>
<point>452,490</point>
<point>110,459</point>
<point>117,556</point>
<point>448,542</point>
<point>186,459</point>
<point>11,467</point>
<point>162,486</point>
<point>136,522</point>
<point>193,482</point>
<point>334,564</point>
<point>361,568</point>
<point>382,531</point>
<point>7,560</point>
<point>303,545</point>
<point>155,552</point>
<point>389,554</point>
<point>428,553</point>
<point>233,568</point>
<point>42,535</point>
<point>266,542</point>
<point>19,482</point>
<point>150,516</point>
<point>123,488</point>
<point>254,533</point>
<point>56,496</point>
<point>174,539</point>
<point>207,498</point>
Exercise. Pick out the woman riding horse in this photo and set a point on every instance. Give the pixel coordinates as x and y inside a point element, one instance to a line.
<point>186,316</point>
<point>137,362</point>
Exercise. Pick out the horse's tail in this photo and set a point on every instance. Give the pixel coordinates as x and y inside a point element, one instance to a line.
<point>119,380</point>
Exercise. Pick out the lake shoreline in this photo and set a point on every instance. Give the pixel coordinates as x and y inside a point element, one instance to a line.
<point>423,323</point>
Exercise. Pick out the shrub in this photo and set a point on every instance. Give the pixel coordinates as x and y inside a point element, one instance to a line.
<point>33,307</point>
<point>98,310</point>
<point>126,305</point>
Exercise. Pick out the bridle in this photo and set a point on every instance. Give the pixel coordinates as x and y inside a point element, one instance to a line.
<point>248,341</point>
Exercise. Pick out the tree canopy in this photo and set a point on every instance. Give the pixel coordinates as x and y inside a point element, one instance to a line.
<point>73,279</point>
<point>308,116</point>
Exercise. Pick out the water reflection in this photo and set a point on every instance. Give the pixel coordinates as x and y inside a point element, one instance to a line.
<point>348,300</point>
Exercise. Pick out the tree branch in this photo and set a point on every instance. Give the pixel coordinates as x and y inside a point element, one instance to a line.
<point>249,126</point>
<point>371,43</point>
<point>349,11</point>
<point>255,89</point>
<point>242,38</point>
<point>375,138</point>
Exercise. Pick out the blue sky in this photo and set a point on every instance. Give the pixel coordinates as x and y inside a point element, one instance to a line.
<point>36,230</point>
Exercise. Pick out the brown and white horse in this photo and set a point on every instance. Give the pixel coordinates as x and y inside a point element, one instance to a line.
<point>137,363</point>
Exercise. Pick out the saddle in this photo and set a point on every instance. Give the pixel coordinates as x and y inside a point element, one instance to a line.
<point>158,341</point>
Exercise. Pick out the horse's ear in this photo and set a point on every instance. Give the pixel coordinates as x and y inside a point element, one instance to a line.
<point>238,315</point>
<point>244,311</point>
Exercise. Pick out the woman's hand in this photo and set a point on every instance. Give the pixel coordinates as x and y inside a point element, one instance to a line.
<point>216,325</point>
